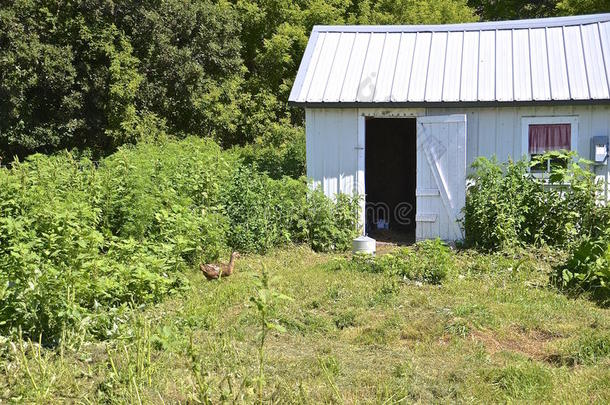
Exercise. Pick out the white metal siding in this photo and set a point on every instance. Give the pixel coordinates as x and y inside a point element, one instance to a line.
<point>332,138</point>
<point>504,66</point>
<point>521,54</point>
<point>329,50</point>
<point>436,71</point>
<point>351,81</point>
<point>404,67</point>
<point>598,83</point>
<point>417,84</point>
<point>577,73</point>
<point>370,70</point>
<point>310,73</point>
<point>470,67</point>
<point>339,69</point>
<point>383,89</point>
<point>604,35</point>
<point>486,90</point>
<point>453,67</point>
<point>541,85</point>
<point>560,88</point>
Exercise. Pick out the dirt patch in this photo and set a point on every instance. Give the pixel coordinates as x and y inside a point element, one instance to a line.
<point>536,344</point>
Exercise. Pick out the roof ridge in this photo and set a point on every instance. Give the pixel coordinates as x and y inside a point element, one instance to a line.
<point>473,26</point>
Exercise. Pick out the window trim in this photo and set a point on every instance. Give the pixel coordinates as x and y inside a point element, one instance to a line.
<point>550,120</point>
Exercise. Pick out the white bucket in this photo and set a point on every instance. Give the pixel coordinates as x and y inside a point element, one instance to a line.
<point>364,244</point>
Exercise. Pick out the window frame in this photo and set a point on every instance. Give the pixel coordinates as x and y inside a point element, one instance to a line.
<point>548,120</point>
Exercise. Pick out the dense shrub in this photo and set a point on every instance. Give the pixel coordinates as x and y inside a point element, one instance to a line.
<point>76,239</point>
<point>280,153</point>
<point>506,205</point>
<point>430,261</point>
<point>331,225</point>
<point>168,192</point>
<point>264,212</point>
<point>260,210</point>
<point>56,261</point>
<point>587,270</point>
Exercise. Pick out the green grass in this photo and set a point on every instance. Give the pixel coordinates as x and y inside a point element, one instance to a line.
<point>493,332</point>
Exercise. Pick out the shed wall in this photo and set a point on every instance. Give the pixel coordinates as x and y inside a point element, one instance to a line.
<point>333,136</point>
<point>332,139</point>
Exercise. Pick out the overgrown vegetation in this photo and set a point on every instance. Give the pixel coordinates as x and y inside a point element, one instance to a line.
<point>507,206</point>
<point>429,262</point>
<point>587,270</point>
<point>76,240</point>
<point>490,333</point>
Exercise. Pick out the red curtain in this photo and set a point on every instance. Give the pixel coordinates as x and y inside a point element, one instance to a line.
<point>548,137</point>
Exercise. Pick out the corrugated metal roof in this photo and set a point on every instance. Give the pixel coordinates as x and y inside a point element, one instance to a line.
<point>565,58</point>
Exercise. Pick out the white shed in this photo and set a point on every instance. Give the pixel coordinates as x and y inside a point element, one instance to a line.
<point>398,113</point>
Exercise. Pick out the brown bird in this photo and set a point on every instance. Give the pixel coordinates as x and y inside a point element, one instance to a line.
<point>214,271</point>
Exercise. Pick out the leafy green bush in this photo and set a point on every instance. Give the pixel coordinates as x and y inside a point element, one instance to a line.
<point>493,212</point>
<point>264,212</point>
<point>255,211</point>
<point>168,192</point>
<point>600,222</point>
<point>507,206</point>
<point>76,239</point>
<point>331,225</point>
<point>587,270</point>
<point>56,262</point>
<point>432,261</point>
<point>280,152</point>
<point>429,261</point>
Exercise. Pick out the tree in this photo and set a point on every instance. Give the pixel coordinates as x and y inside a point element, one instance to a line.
<point>574,7</point>
<point>93,74</point>
<point>88,74</point>
<point>494,10</point>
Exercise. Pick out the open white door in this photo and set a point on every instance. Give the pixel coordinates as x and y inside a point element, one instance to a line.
<point>441,176</point>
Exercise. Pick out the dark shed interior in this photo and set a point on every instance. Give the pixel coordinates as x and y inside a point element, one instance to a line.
<point>390,181</point>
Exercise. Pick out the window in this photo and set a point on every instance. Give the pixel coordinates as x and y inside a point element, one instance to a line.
<point>547,134</point>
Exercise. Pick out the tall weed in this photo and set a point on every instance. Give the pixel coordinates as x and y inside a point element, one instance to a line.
<point>587,270</point>
<point>506,205</point>
<point>430,261</point>
<point>331,225</point>
<point>78,241</point>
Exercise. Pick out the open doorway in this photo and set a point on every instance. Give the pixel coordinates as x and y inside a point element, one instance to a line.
<point>390,178</point>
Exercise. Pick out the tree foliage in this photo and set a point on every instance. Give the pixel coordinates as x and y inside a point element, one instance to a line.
<point>97,74</point>
<point>493,10</point>
<point>518,9</point>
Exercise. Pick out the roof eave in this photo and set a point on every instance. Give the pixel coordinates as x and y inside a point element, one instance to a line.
<point>446,104</point>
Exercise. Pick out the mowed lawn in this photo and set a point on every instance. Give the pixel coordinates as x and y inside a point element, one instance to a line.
<point>494,331</point>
